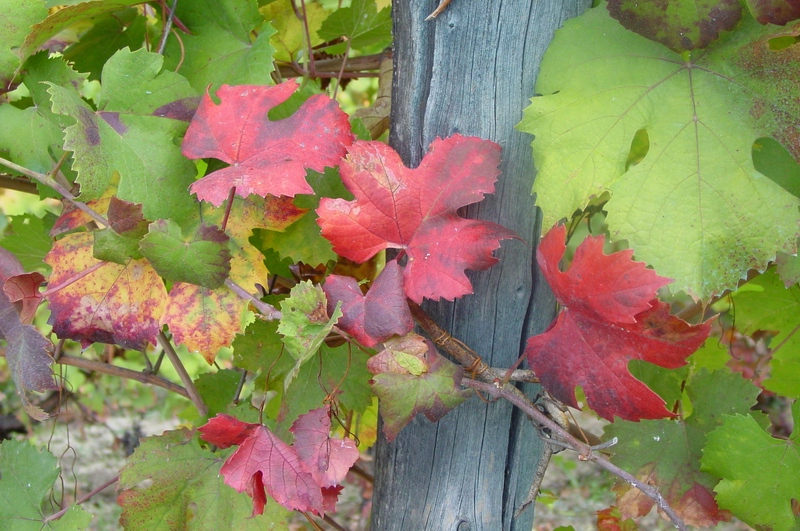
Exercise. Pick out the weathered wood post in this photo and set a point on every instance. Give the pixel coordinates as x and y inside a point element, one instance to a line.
<point>472,71</point>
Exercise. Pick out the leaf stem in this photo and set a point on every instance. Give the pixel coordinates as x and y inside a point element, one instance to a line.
<point>194,395</point>
<point>113,370</point>
<point>268,310</point>
<point>52,183</point>
<point>84,499</point>
<point>71,280</point>
<point>585,452</point>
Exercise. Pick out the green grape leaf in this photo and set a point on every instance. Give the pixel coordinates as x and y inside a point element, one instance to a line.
<point>765,304</point>
<point>412,378</point>
<point>41,68</point>
<point>305,324</point>
<point>29,138</point>
<point>694,208</point>
<point>774,161</point>
<point>28,476</point>
<point>200,257</point>
<point>75,519</point>
<point>342,369</point>
<point>302,242</point>
<point>26,238</point>
<point>666,453</point>
<point>217,389</point>
<point>680,25</point>
<point>259,348</point>
<point>142,112</point>
<point>220,49</point>
<point>760,474</point>
<point>289,37</point>
<point>362,24</point>
<point>110,32</point>
<point>112,247</point>
<point>185,489</point>
<point>18,17</point>
<point>68,16</point>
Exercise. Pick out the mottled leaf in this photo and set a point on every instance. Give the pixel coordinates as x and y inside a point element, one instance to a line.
<point>412,378</point>
<point>678,24</point>
<point>202,319</point>
<point>93,301</point>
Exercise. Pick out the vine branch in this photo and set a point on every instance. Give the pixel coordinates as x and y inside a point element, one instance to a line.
<point>113,370</point>
<point>585,452</point>
<point>194,395</point>
<point>47,180</point>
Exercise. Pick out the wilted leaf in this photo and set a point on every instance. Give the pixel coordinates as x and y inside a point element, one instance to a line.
<point>379,315</point>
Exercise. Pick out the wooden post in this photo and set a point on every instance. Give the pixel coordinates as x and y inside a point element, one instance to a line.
<point>472,71</point>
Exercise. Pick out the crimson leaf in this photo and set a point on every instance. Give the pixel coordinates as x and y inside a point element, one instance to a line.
<point>415,209</point>
<point>379,315</point>
<point>266,157</point>
<point>609,317</point>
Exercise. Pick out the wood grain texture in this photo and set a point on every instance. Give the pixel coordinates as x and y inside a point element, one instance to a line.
<point>472,71</point>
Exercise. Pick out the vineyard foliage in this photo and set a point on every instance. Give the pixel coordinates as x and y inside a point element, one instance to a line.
<point>214,188</point>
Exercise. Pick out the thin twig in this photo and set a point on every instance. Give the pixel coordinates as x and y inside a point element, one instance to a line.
<point>267,310</point>
<point>113,370</point>
<point>585,453</point>
<point>84,499</point>
<point>167,27</point>
<point>194,395</point>
<point>20,184</point>
<point>49,181</point>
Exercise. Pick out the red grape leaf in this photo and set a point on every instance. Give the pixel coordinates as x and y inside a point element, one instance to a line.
<point>411,378</point>
<point>23,291</point>
<point>328,459</point>
<point>101,302</point>
<point>225,431</point>
<point>610,519</point>
<point>26,349</point>
<point>774,11</point>
<point>609,317</point>
<point>379,315</point>
<point>263,462</point>
<point>266,157</point>
<point>415,210</point>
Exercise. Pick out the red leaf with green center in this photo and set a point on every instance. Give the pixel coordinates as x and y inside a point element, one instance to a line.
<point>379,315</point>
<point>415,209</point>
<point>266,157</point>
<point>609,317</point>
<point>412,378</point>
